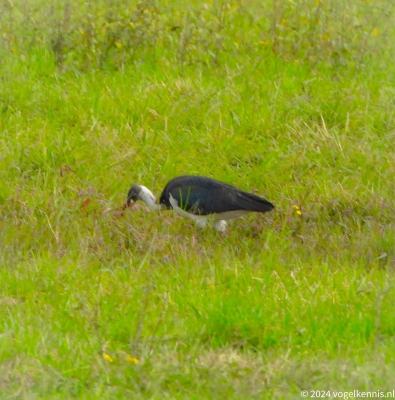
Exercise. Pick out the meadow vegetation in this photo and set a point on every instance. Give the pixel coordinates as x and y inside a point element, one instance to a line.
<point>292,100</point>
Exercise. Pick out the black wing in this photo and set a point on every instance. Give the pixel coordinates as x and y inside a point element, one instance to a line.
<point>201,195</point>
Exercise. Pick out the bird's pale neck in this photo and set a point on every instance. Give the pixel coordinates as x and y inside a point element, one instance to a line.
<point>149,199</point>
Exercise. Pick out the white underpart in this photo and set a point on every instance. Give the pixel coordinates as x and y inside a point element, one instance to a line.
<point>231,214</point>
<point>149,199</point>
<point>201,220</point>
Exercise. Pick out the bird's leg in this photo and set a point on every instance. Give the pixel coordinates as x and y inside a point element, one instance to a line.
<point>220,225</point>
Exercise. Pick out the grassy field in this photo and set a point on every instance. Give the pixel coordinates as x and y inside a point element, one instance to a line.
<point>290,100</point>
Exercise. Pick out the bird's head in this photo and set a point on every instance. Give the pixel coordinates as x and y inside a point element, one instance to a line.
<point>134,194</point>
<point>138,192</point>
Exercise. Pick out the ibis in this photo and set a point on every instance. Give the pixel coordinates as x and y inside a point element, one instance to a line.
<point>201,199</point>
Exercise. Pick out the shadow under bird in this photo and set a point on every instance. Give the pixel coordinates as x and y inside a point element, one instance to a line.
<point>201,199</point>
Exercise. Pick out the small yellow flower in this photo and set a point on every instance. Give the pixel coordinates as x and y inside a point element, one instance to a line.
<point>375,32</point>
<point>108,358</point>
<point>131,360</point>
<point>326,36</point>
<point>118,44</point>
<point>297,210</point>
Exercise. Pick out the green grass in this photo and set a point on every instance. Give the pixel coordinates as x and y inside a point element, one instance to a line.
<point>290,100</point>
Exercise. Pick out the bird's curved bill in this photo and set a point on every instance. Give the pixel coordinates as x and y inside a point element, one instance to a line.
<point>128,203</point>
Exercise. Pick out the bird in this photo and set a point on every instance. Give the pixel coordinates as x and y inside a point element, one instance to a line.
<point>201,199</point>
